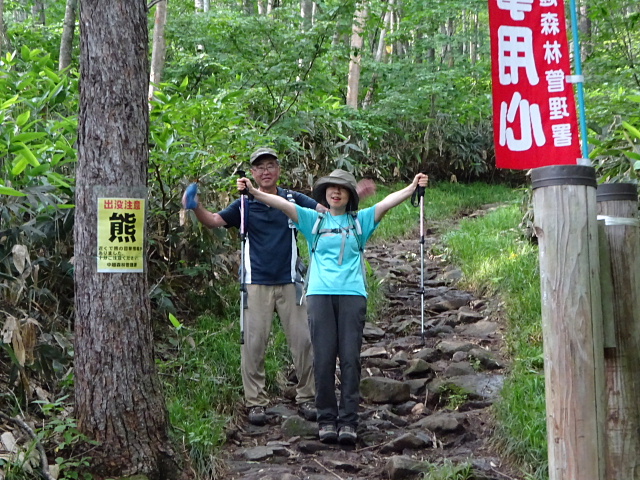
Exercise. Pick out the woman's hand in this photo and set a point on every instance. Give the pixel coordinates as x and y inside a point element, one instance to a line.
<point>420,180</point>
<point>365,188</point>
<point>245,184</point>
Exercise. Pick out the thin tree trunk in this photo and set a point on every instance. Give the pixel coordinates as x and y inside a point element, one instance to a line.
<point>68,31</point>
<point>199,6</point>
<point>20,14</point>
<point>306,14</point>
<point>379,56</point>
<point>584,27</point>
<point>306,19</point>
<point>118,397</point>
<point>450,29</point>
<point>381,51</point>
<point>159,47</point>
<point>353,83</point>
<point>37,10</point>
<point>473,43</point>
<point>3,40</point>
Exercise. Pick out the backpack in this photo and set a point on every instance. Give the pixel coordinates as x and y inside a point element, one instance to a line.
<point>354,224</point>
<point>300,272</point>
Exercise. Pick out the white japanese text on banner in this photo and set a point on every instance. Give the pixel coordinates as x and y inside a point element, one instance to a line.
<point>535,122</point>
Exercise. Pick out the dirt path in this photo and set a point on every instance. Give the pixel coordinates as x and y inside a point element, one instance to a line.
<point>422,401</point>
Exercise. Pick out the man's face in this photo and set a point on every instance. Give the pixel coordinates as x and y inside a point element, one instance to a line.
<point>266,171</point>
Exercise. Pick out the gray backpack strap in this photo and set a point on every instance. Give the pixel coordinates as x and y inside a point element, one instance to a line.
<point>315,231</point>
<point>358,231</point>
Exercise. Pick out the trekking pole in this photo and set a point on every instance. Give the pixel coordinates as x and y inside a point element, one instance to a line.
<point>243,238</point>
<point>420,193</point>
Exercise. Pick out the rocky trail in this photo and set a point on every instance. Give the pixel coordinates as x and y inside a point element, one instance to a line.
<point>422,403</point>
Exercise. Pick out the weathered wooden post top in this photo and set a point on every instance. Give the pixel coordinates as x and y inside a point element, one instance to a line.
<point>564,200</point>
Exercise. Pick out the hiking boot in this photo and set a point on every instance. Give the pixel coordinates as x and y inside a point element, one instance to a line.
<point>308,411</point>
<point>347,435</point>
<point>257,416</point>
<point>328,433</point>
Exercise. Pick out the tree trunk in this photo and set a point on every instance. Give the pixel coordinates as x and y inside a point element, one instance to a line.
<point>199,6</point>
<point>473,43</point>
<point>37,10</point>
<point>117,392</point>
<point>379,55</point>
<point>584,27</point>
<point>66,42</point>
<point>381,50</point>
<point>2,34</point>
<point>159,48</point>
<point>306,14</point>
<point>353,83</point>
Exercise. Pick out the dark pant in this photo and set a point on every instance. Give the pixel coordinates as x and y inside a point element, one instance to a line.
<point>336,323</point>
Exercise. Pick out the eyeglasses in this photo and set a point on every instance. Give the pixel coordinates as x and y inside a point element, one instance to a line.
<point>262,168</point>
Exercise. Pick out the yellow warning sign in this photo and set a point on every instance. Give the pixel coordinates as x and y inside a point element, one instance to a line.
<point>121,235</point>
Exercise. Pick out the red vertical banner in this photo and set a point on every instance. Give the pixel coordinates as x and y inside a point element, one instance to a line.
<point>534,111</point>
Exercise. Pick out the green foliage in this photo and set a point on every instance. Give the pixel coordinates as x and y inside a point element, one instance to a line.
<point>61,430</point>
<point>452,396</point>
<point>448,470</point>
<point>617,148</point>
<point>37,112</point>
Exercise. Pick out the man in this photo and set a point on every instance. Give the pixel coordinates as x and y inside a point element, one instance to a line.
<point>270,259</point>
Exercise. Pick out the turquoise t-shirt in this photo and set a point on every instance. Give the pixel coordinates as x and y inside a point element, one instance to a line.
<point>327,276</point>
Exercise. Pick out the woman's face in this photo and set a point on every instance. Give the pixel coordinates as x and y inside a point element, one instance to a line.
<point>337,196</point>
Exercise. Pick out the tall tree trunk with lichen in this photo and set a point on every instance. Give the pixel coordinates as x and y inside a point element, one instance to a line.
<point>118,397</point>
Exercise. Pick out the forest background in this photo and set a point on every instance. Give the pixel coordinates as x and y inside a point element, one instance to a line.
<point>383,89</point>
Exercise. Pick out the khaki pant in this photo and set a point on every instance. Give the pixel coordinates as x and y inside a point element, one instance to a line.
<point>262,301</point>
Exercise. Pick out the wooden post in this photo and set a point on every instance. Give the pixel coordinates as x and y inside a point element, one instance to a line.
<point>618,210</point>
<point>564,200</point>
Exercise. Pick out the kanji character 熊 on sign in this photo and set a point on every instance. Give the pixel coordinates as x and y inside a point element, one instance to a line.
<point>534,111</point>
<point>121,235</point>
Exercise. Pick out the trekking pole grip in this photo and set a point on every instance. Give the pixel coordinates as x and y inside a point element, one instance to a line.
<point>242,174</point>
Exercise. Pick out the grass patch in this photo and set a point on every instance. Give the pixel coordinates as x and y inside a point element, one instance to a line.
<point>441,201</point>
<point>203,383</point>
<point>496,259</point>
<point>448,470</point>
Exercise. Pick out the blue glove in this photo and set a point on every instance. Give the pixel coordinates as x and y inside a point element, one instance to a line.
<point>190,193</point>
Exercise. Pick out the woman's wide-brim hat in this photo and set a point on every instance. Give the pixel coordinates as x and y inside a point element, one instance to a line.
<point>341,178</point>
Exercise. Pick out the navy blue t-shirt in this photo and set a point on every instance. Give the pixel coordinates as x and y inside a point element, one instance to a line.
<point>270,255</point>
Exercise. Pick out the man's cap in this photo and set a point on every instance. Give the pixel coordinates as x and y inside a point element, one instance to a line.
<point>341,178</point>
<point>261,152</point>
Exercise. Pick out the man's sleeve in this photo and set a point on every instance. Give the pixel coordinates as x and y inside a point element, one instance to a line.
<point>304,201</point>
<point>231,214</point>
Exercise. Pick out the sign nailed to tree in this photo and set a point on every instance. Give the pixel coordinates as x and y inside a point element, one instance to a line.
<point>121,235</point>
<point>534,109</point>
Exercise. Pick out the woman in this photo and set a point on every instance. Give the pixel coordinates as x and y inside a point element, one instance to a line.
<point>336,294</point>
